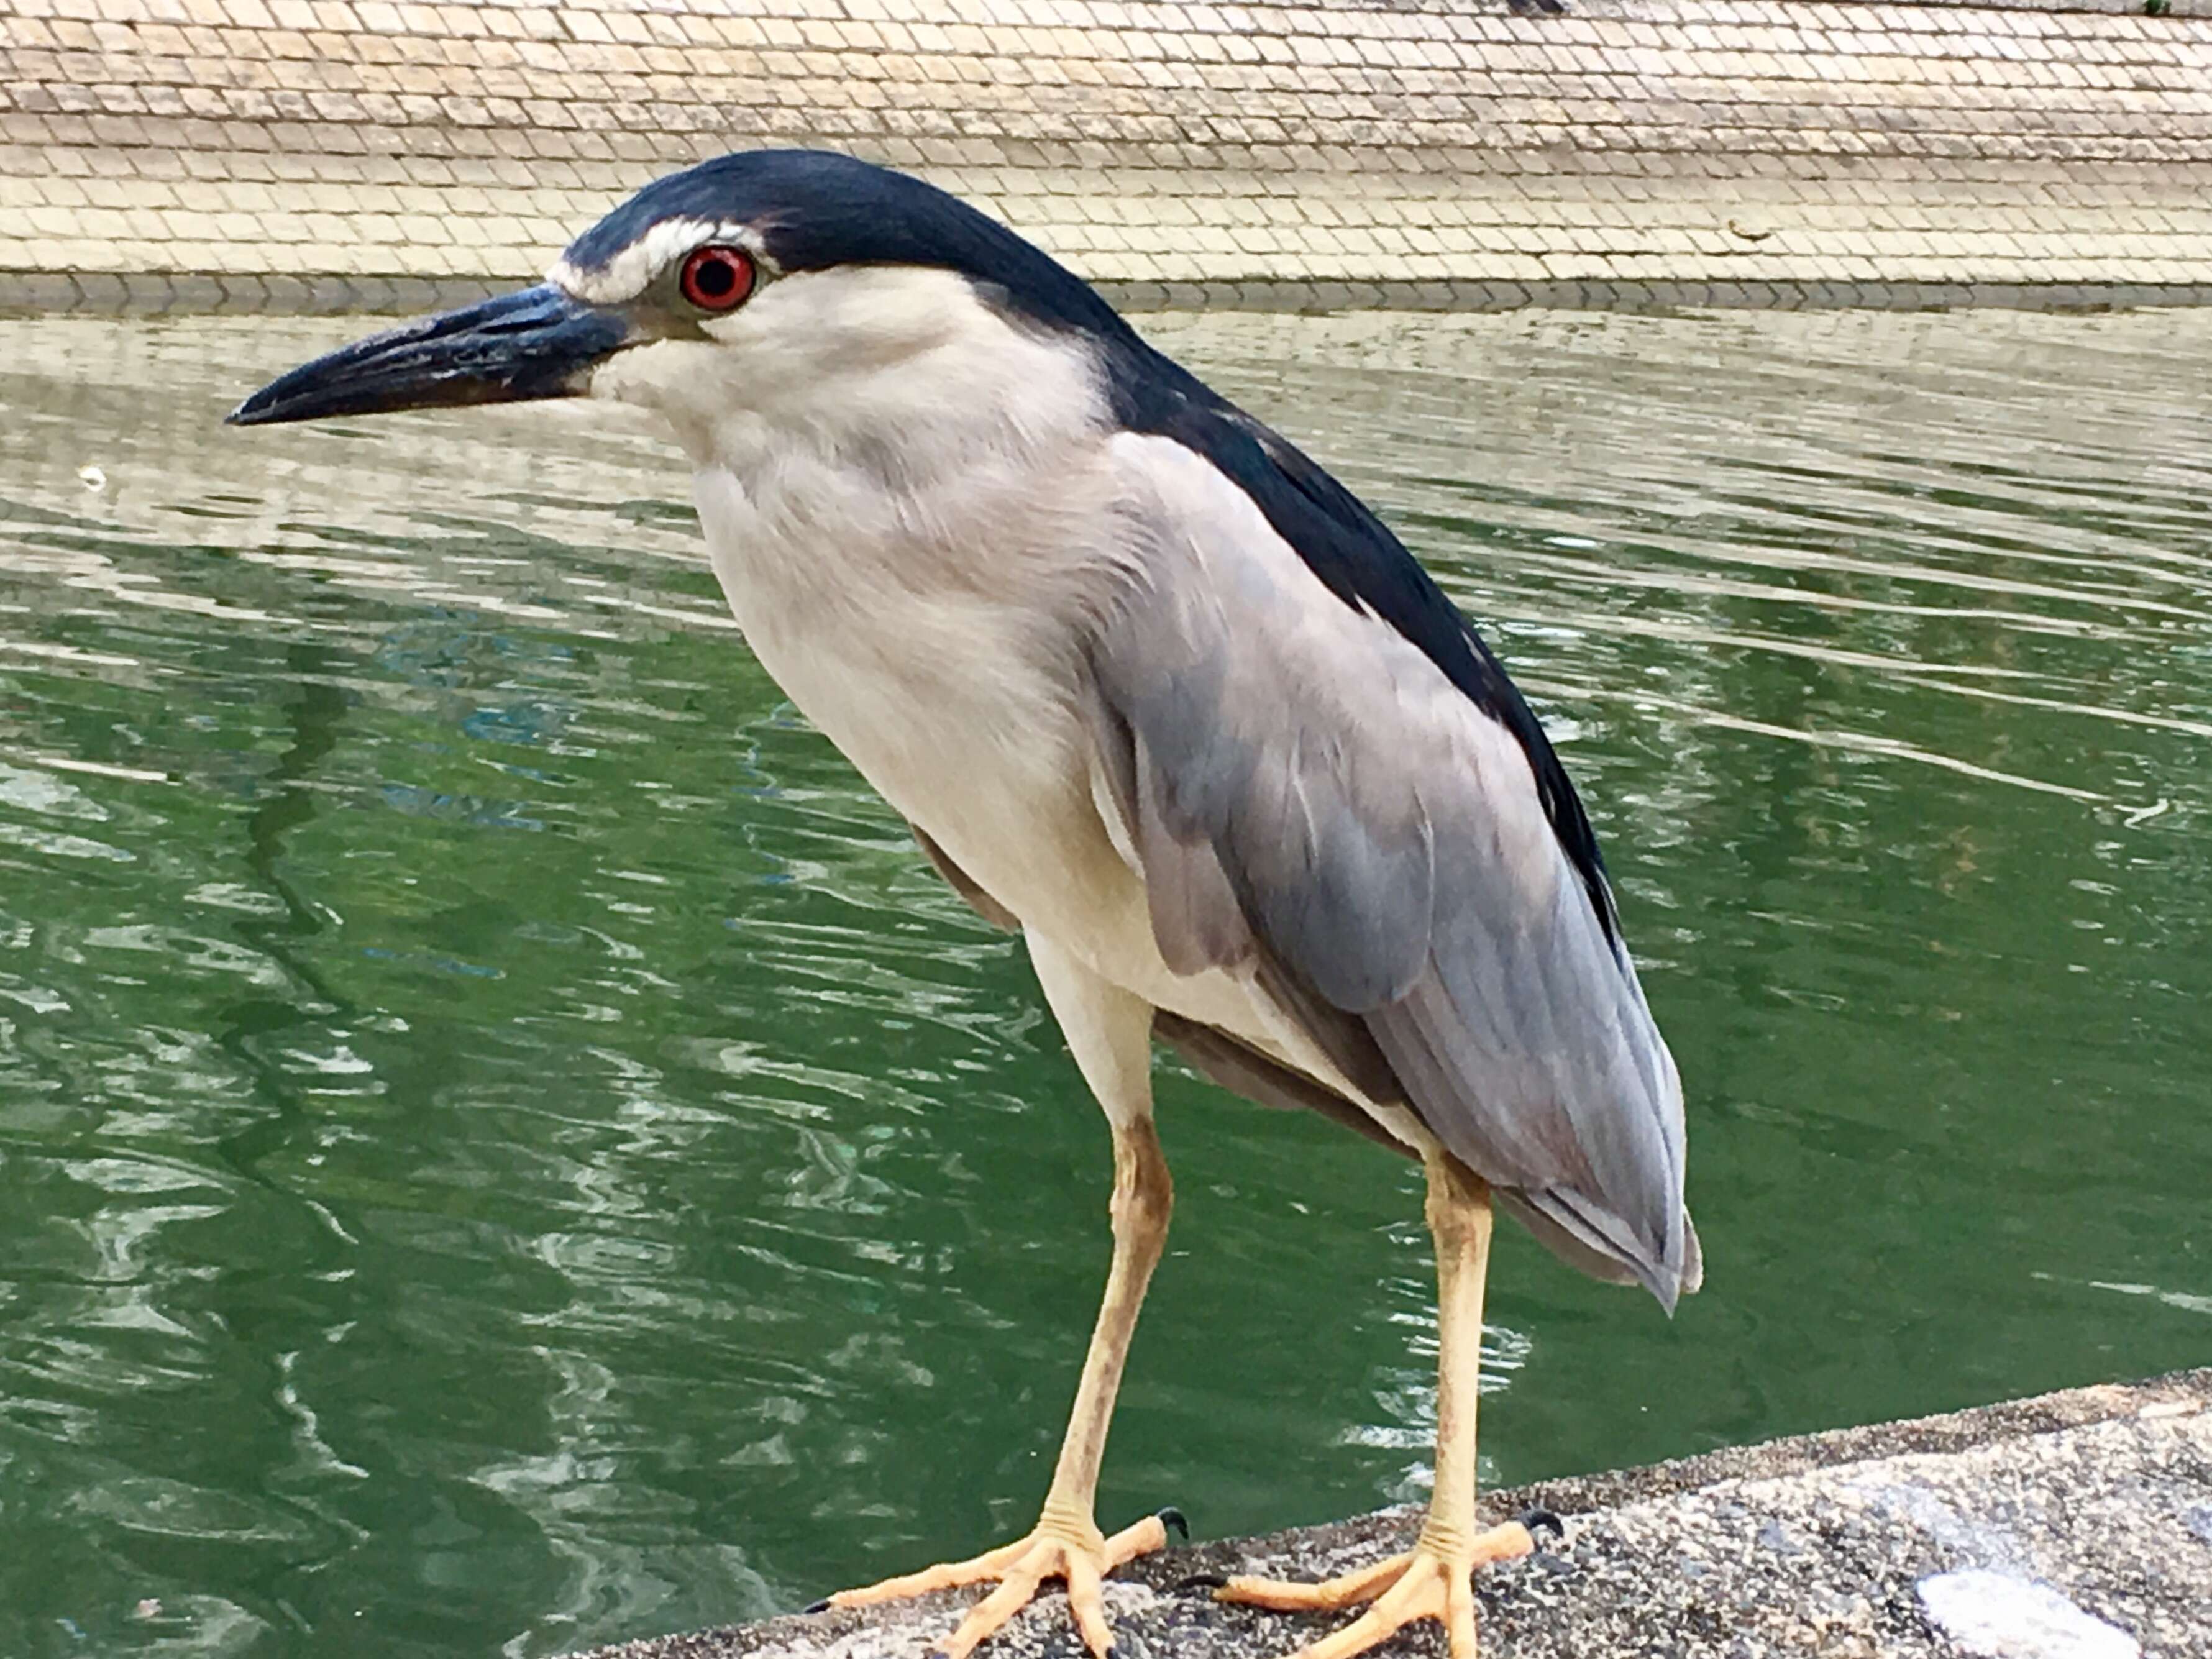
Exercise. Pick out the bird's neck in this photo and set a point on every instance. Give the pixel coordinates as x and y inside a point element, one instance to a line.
<point>911,582</point>
<point>944,451</point>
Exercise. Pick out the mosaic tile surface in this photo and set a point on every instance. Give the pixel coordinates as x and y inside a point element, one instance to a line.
<point>351,153</point>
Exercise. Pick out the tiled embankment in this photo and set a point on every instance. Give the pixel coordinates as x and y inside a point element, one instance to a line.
<point>348,152</point>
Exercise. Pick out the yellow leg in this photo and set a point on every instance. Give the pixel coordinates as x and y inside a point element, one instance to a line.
<point>1066,1542</point>
<point>1435,1579</point>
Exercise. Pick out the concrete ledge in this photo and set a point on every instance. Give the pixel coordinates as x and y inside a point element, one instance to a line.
<point>2074,1526</point>
<point>203,294</point>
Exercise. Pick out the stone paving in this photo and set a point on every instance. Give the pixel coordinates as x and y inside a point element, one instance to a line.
<point>365,154</point>
<point>2075,1526</point>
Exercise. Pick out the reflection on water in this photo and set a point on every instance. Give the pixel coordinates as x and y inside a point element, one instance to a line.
<point>503,1147</point>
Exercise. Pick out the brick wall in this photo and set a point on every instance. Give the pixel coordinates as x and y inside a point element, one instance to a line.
<point>350,152</point>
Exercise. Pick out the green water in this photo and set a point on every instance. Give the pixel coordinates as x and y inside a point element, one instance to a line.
<point>503,1147</point>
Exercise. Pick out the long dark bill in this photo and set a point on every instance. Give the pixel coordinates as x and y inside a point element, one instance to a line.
<point>538,343</point>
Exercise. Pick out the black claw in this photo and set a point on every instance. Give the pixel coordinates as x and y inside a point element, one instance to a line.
<point>1534,1519</point>
<point>822,1606</point>
<point>1171,1518</point>
<point>1203,1581</point>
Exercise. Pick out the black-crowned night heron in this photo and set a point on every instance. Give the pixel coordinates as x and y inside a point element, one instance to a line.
<point>1155,689</point>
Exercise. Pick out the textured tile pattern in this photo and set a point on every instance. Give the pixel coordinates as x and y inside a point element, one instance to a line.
<point>359,152</point>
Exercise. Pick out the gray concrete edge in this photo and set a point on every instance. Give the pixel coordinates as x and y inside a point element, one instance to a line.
<point>1982,1431</point>
<point>24,293</point>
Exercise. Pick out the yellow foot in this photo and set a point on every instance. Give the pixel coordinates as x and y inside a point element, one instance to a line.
<point>1078,1553</point>
<point>1431,1581</point>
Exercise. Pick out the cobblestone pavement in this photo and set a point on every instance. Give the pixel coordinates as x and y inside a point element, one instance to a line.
<point>362,153</point>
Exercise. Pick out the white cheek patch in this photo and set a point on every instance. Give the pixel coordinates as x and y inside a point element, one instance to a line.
<point>906,366</point>
<point>685,382</point>
<point>630,272</point>
<point>851,319</point>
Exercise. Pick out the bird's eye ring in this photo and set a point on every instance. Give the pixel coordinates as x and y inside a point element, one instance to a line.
<point>717,278</point>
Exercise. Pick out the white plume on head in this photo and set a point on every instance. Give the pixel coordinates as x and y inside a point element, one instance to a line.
<point>634,270</point>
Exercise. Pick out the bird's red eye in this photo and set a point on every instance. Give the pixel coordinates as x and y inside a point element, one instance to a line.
<point>717,278</point>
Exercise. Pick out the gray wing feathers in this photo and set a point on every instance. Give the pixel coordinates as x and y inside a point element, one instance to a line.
<point>1312,801</point>
<point>1244,822</point>
<point>1237,1065</point>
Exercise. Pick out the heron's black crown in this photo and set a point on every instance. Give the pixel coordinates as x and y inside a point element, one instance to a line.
<point>816,209</point>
